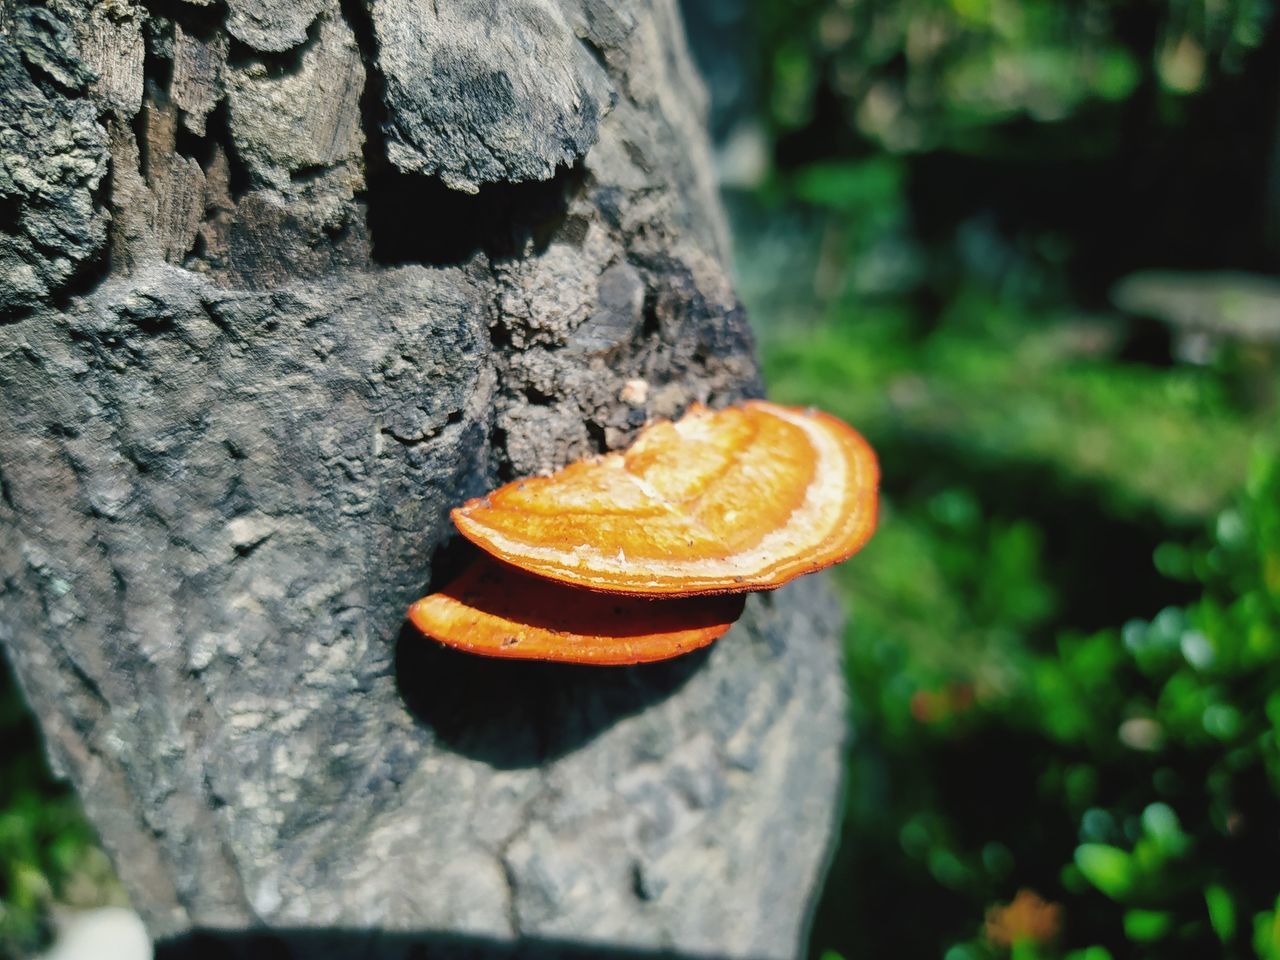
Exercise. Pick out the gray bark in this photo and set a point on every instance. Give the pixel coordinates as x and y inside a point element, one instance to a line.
<point>281,282</point>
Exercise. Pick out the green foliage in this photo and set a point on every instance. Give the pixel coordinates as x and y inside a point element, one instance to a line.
<point>1266,933</point>
<point>923,74</point>
<point>1059,684</point>
<point>48,851</point>
<point>1036,704</point>
<point>1007,736</point>
<point>1166,439</point>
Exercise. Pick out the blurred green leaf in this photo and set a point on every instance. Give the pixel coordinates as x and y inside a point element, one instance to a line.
<point>1108,868</point>
<point>1089,953</point>
<point>1147,925</point>
<point>863,188</point>
<point>1266,933</point>
<point>1222,911</point>
<point>1161,824</point>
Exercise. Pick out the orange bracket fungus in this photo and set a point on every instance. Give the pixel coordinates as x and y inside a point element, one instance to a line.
<point>745,498</point>
<point>631,549</point>
<point>497,611</point>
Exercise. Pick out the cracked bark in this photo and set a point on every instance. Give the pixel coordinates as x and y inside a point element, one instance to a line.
<point>352,263</point>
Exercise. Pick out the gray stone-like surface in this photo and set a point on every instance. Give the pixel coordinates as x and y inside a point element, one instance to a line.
<point>478,91</point>
<point>53,157</point>
<point>227,456</point>
<point>272,25</point>
<point>306,119</point>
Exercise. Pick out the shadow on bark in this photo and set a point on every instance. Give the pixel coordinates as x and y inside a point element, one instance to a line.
<point>515,714</point>
<point>377,945</point>
<point>418,219</point>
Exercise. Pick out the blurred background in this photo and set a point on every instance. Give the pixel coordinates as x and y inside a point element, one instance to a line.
<point>1029,248</point>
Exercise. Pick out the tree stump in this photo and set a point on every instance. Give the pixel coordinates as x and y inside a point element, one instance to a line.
<point>281,282</point>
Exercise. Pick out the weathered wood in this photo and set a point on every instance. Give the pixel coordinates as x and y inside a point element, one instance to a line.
<point>272,25</point>
<point>110,41</point>
<point>479,92</point>
<point>347,285</point>
<point>196,86</point>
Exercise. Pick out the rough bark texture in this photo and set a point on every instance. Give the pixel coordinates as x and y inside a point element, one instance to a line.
<point>353,263</point>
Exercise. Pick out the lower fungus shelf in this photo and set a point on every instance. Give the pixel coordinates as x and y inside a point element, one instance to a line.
<point>497,611</point>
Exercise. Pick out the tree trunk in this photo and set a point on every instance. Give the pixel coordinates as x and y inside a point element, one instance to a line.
<point>282,281</point>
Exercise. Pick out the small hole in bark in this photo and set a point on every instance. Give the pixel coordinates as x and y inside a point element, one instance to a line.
<point>537,397</point>
<point>599,438</point>
<point>500,336</point>
<point>498,450</point>
<point>651,325</point>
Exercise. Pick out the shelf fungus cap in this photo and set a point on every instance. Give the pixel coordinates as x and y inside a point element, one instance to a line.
<point>745,498</point>
<point>497,611</point>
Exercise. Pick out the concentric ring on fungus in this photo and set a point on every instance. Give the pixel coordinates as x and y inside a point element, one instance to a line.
<point>745,498</point>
